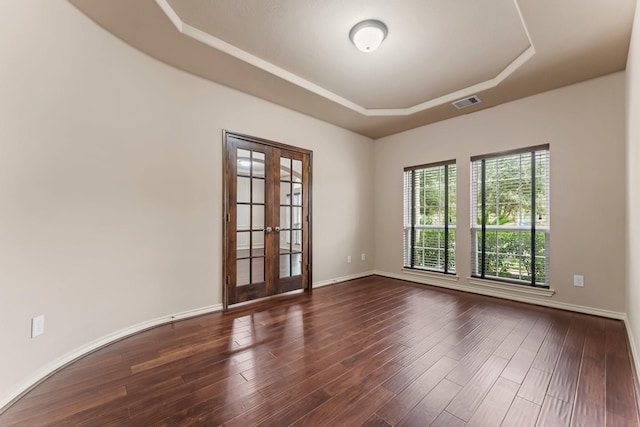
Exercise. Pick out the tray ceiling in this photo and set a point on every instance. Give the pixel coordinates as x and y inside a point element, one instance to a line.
<point>297,53</point>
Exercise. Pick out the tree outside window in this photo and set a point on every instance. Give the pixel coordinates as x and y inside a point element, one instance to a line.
<point>510,216</point>
<point>430,217</point>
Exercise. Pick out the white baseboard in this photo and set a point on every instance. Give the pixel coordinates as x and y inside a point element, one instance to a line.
<point>634,349</point>
<point>342,279</point>
<point>449,284</point>
<point>53,366</point>
<point>81,351</point>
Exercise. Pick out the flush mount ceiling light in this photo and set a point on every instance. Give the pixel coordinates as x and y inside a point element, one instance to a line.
<point>368,35</point>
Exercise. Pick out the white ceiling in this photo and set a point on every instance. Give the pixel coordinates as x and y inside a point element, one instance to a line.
<point>297,53</point>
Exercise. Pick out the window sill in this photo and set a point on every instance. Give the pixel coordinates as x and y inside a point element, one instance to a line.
<point>524,290</point>
<point>432,274</point>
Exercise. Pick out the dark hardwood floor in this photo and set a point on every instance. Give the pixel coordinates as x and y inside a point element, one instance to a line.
<point>372,351</point>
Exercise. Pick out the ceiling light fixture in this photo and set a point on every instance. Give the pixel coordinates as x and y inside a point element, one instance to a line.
<point>368,35</point>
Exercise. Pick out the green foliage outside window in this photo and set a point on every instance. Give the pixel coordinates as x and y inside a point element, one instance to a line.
<point>430,217</point>
<point>510,218</point>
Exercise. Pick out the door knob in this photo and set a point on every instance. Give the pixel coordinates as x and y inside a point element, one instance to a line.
<point>277,229</point>
<point>268,230</point>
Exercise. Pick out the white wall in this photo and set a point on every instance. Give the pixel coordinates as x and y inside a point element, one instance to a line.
<point>633,189</point>
<point>584,125</point>
<point>111,183</point>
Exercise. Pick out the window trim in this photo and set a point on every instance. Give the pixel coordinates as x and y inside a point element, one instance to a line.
<point>447,227</point>
<point>532,229</point>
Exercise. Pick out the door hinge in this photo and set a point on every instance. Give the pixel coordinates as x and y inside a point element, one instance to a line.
<point>228,217</point>
<point>228,279</point>
<point>307,217</point>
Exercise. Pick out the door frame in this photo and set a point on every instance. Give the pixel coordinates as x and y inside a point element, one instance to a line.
<point>308,283</point>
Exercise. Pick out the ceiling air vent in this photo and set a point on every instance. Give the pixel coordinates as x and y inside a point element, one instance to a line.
<point>466,102</point>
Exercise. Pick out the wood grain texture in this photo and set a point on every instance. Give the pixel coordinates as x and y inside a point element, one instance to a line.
<point>373,351</point>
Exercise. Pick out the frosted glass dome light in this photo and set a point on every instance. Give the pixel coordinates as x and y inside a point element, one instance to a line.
<point>368,35</point>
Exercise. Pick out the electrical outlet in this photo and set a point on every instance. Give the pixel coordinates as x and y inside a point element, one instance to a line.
<point>349,259</point>
<point>578,280</point>
<point>363,256</point>
<point>37,326</point>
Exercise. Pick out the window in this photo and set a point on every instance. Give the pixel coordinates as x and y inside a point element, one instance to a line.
<point>430,217</point>
<point>510,216</point>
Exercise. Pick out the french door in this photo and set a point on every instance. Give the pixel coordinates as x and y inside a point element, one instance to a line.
<point>267,218</point>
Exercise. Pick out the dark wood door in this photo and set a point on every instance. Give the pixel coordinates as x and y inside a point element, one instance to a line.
<point>267,218</point>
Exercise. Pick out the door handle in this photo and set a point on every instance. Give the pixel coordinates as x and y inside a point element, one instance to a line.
<point>268,230</point>
<point>277,229</point>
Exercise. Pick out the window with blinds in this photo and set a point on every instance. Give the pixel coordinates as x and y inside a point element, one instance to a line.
<point>510,216</point>
<point>430,217</point>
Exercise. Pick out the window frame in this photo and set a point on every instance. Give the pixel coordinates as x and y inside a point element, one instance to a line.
<point>478,270</point>
<point>410,225</point>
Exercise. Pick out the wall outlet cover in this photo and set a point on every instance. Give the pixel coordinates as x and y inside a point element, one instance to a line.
<point>37,326</point>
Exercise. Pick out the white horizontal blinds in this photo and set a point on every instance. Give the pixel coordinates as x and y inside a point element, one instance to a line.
<point>510,230</point>
<point>476,217</point>
<point>430,217</point>
<point>408,210</point>
<point>542,185</point>
<point>451,218</point>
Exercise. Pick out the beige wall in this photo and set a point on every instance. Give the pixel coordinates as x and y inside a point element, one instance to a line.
<point>584,125</point>
<point>110,185</point>
<point>633,189</point>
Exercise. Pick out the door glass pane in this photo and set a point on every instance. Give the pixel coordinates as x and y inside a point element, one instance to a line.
<point>258,217</point>
<point>258,164</point>
<point>258,190</point>
<point>242,244</point>
<point>285,217</point>
<point>285,169</point>
<point>243,216</point>
<point>285,193</point>
<point>257,270</point>
<point>297,217</point>
<point>285,266</point>
<point>297,171</point>
<point>285,241</point>
<point>297,240</point>
<point>243,195</point>
<point>243,162</point>
<point>297,194</point>
<point>296,264</point>
<point>257,243</point>
<point>242,275</point>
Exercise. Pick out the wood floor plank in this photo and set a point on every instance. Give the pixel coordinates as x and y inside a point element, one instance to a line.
<point>347,390</point>
<point>522,413</point>
<point>534,387</point>
<point>589,408</point>
<point>519,365</point>
<point>408,374</point>
<point>432,405</point>
<point>445,419</point>
<point>554,412</point>
<point>477,356</point>
<point>552,345</point>
<point>619,410</point>
<point>356,413</point>
<point>471,396</point>
<point>565,375</point>
<point>373,351</point>
<point>495,405</point>
<point>402,403</point>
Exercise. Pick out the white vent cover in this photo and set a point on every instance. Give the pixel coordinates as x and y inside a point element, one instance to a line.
<point>466,102</point>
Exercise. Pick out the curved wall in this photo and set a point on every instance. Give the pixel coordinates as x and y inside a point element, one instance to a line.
<point>111,187</point>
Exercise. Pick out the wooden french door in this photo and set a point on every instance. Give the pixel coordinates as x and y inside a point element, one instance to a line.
<point>267,224</point>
